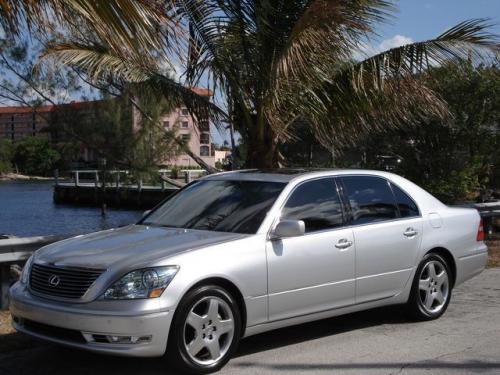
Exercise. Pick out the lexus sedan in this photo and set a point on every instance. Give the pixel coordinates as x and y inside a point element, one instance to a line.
<point>239,253</point>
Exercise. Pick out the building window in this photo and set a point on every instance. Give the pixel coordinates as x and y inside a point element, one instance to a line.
<point>184,124</point>
<point>203,126</point>
<point>204,151</point>
<point>166,124</point>
<point>205,138</point>
<point>185,112</point>
<point>185,137</point>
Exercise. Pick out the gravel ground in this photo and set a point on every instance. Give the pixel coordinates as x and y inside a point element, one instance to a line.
<point>382,341</point>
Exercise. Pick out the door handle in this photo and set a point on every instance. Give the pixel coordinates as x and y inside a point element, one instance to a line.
<point>343,244</point>
<point>410,232</point>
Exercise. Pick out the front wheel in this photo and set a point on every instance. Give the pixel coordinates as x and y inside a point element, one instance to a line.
<point>431,289</point>
<point>206,330</point>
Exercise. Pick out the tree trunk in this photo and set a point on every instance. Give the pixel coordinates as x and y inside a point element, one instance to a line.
<point>262,152</point>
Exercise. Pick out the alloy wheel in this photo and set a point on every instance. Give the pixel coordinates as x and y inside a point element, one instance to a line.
<point>433,286</point>
<point>208,330</point>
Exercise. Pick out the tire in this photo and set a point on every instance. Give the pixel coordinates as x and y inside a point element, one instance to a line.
<point>205,331</point>
<point>431,289</point>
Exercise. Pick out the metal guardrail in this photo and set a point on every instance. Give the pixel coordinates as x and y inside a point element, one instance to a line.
<point>16,250</point>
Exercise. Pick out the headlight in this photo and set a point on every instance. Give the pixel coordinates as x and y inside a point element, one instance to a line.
<point>25,274</point>
<point>145,283</point>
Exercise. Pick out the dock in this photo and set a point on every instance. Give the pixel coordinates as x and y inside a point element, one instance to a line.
<point>92,191</point>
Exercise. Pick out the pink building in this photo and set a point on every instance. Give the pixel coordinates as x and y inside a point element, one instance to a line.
<point>19,122</point>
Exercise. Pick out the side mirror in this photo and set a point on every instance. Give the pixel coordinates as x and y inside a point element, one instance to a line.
<point>288,228</point>
<point>145,213</point>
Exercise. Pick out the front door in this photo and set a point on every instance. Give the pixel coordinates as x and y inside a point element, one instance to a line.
<point>314,272</point>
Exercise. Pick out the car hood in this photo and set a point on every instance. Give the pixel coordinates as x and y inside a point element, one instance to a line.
<point>134,245</point>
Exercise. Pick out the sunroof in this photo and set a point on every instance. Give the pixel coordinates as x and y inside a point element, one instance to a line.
<point>286,171</point>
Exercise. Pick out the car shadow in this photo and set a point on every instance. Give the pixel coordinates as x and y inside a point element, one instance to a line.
<point>321,328</point>
<point>20,354</point>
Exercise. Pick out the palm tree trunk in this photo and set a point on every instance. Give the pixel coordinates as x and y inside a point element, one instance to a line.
<point>262,150</point>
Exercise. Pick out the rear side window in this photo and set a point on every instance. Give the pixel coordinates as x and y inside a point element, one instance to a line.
<point>407,206</point>
<point>370,198</point>
<point>317,203</point>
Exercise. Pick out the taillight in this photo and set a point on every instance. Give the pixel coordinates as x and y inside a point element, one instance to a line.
<point>480,231</point>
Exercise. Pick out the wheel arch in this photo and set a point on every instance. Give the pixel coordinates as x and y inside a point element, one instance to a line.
<point>448,257</point>
<point>232,289</point>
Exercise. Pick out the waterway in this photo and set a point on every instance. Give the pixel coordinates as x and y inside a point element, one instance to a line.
<point>27,209</point>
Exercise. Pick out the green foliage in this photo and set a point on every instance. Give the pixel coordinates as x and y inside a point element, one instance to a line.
<point>35,156</point>
<point>275,61</point>
<point>5,167</point>
<point>115,131</point>
<point>454,160</point>
<point>6,153</point>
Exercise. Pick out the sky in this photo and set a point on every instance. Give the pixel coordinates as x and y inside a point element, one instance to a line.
<point>424,19</point>
<point>418,20</point>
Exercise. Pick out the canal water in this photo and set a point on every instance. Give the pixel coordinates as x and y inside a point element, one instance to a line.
<point>27,209</point>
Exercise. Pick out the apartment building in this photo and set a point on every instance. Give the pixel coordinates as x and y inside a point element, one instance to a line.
<point>19,122</point>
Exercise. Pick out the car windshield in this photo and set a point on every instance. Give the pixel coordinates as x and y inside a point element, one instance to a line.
<point>218,205</point>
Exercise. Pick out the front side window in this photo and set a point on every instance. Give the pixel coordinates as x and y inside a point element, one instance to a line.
<point>221,206</point>
<point>370,198</point>
<point>317,203</point>
<point>407,207</point>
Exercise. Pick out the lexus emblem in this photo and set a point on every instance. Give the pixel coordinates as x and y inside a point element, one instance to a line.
<point>54,280</point>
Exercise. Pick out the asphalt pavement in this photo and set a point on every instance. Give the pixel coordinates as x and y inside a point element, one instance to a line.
<point>382,341</point>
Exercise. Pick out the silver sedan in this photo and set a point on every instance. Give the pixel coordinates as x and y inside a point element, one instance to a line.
<point>239,253</point>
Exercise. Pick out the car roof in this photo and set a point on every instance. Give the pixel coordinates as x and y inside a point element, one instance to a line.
<point>286,175</point>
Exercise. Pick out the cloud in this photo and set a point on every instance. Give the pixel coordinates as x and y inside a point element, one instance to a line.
<point>367,50</point>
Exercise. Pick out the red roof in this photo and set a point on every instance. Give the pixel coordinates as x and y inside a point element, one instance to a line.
<point>43,108</point>
<point>48,108</point>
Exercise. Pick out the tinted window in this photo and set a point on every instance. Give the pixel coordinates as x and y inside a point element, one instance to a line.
<point>371,199</point>
<point>317,203</point>
<point>407,206</point>
<point>223,206</point>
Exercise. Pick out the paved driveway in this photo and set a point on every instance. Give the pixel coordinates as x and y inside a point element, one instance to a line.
<point>465,340</point>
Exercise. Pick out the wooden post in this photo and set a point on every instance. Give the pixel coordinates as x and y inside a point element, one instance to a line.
<point>4,286</point>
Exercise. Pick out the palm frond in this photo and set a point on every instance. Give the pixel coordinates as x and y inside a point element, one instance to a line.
<point>131,24</point>
<point>101,65</point>
<point>467,40</point>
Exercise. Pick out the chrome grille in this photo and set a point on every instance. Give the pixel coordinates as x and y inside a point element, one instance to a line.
<point>62,282</point>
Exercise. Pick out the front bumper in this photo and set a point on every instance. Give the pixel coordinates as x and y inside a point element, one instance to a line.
<point>89,326</point>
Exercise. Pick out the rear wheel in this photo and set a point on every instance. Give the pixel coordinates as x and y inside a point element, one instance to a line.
<point>431,289</point>
<point>205,331</point>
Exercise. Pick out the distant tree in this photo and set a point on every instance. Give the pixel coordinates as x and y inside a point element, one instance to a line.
<point>6,154</point>
<point>455,159</point>
<point>107,127</point>
<point>35,156</point>
<point>25,81</point>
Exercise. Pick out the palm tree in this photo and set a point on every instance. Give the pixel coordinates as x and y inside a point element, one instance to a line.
<point>274,62</point>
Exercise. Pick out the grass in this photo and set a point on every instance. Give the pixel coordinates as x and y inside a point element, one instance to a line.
<point>5,326</point>
<point>493,251</point>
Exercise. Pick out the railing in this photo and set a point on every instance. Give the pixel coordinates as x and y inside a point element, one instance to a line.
<point>95,179</point>
<point>15,250</point>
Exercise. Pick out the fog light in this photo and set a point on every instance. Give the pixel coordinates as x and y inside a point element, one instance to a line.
<point>128,339</point>
<point>114,339</point>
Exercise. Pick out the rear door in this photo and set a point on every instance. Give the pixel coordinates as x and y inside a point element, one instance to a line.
<point>387,231</point>
<point>313,272</point>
